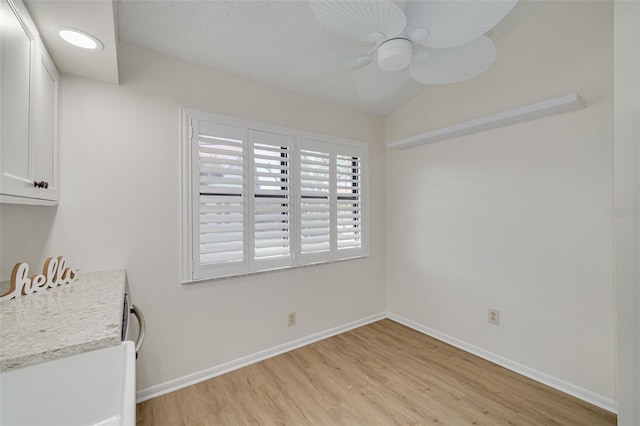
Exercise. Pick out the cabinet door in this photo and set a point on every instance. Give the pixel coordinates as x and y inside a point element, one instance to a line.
<point>28,111</point>
<point>44,130</point>
<point>16,58</point>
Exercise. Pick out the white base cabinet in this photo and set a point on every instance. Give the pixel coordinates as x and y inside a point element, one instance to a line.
<point>28,111</point>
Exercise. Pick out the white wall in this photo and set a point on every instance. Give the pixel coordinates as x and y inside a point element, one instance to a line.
<point>626,189</point>
<point>514,218</point>
<point>120,208</point>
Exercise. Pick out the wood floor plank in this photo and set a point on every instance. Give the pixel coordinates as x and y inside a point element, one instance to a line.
<point>381,374</point>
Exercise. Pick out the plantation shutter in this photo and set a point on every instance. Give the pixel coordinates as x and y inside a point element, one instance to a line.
<point>315,200</point>
<point>219,239</point>
<point>272,197</point>
<point>349,201</point>
<point>258,197</point>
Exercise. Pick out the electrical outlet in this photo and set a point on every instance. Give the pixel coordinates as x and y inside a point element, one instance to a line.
<point>494,316</point>
<point>291,318</point>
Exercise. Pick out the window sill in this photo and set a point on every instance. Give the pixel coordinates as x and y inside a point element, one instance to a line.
<point>269,271</point>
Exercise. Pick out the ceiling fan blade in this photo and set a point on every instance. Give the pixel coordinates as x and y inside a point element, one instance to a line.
<point>444,66</point>
<point>442,24</point>
<point>335,63</point>
<point>365,20</point>
<point>380,84</point>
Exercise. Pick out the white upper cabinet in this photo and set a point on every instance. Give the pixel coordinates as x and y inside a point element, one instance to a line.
<point>45,129</point>
<point>28,111</point>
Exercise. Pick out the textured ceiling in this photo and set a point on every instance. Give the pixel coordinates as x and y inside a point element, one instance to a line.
<point>261,40</point>
<point>95,17</point>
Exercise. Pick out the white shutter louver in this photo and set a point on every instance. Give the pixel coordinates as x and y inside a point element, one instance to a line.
<point>221,169</point>
<point>258,197</point>
<point>272,185</point>
<point>315,200</point>
<point>349,201</point>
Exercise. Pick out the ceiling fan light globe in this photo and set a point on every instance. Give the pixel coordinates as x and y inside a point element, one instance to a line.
<point>395,54</point>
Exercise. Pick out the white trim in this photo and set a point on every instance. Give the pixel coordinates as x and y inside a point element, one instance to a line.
<point>50,68</point>
<point>208,373</point>
<point>277,269</point>
<point>186,132</point>
<point>15,199</point>
<point>538,376</point>
<point>192,269</point>
<point>269,128</point>
<point>566,103</point>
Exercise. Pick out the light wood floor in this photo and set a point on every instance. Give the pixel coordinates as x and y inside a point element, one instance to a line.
<point>380,374</point>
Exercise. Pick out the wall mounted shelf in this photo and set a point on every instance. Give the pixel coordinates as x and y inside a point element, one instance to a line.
<point>566,103</point>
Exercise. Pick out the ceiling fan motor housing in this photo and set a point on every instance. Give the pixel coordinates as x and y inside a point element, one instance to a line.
<point>448,38</point>
<point>395,54</point>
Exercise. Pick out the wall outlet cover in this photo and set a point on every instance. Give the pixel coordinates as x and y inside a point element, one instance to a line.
<point>494,316</point>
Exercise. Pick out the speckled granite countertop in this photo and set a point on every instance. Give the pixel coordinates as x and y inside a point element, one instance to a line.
<point>62,321</point>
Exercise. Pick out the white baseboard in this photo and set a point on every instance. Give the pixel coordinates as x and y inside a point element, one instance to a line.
<point>538,376</point>
<point>208,373</point>
<point>217,370</point>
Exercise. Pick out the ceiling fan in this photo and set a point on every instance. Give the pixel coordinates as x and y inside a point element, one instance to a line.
<point>429,41</point>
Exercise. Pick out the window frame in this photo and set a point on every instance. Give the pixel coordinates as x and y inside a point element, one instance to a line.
<point>192,269</point>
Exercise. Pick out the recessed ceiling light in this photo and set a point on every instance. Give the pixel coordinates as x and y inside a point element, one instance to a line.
<point>80,38</point>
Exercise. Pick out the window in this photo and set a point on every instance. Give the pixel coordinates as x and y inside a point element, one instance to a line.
<point>258,197</point>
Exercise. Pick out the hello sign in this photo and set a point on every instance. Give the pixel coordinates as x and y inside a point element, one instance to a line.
<point>54,273</point>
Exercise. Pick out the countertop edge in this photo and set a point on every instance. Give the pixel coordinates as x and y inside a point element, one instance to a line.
<point>63,321</point>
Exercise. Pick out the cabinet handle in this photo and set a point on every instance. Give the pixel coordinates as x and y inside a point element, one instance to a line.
<point>41,184</point>
<point>142,327</point>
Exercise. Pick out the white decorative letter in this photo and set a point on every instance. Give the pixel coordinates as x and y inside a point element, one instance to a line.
<point>19,280</point>
<point>50,270</point>
<point>53,274</point>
